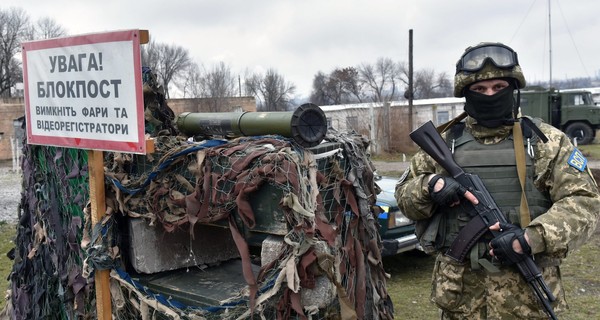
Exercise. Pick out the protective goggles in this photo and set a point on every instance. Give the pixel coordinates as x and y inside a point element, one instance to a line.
<point>475,58</point>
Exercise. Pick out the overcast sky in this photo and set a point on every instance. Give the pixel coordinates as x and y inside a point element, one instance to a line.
<point>298,38</point>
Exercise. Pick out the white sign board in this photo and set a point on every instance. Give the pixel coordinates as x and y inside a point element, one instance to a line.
<point>85,92</point>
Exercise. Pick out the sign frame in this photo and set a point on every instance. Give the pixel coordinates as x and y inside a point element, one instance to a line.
<point>106,135</point>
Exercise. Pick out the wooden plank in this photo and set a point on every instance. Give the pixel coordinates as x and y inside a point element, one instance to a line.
<point>149,145</point>
<point>144,36</point>
<point>98,206</point>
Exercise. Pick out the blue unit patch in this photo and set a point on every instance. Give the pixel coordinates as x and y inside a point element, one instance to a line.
<point>577,160</point>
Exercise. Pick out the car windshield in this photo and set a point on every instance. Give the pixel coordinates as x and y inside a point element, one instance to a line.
<point>387,184</point>
<point>388,187</point>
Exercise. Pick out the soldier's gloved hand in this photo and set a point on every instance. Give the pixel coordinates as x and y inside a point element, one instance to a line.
<point>505,249</point>
<point>446,192</point>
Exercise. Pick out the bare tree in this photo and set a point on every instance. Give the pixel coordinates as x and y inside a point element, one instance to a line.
<point>216,84</point>
<point>218,81</point>
<point>14,25</point>
<point>168,61</point>
<point>46,28</point>
<point>319,94</point>
<point>271,90</point>
<point>341,86</point>
<point>150,55</point>
<point>428,84</point>
<point>381,80</point>
<point>191,79</point>
<point>334,87</point>
<point>349,77</point>
<point>377,82</point>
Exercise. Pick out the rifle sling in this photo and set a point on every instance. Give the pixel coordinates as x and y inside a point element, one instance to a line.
<point>466,239</point>
<point>445,126</point>
<point>525,215</point>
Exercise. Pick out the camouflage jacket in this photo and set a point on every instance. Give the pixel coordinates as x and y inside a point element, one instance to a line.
<point>565,226</point>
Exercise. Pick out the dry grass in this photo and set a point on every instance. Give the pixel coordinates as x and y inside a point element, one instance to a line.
<point>409,285</point>
<point>7,235</point>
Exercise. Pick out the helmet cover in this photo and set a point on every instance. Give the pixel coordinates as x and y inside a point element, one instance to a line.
<point>489,70</point>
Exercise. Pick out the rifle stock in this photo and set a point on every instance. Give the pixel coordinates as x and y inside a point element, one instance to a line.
<point>430,141</point>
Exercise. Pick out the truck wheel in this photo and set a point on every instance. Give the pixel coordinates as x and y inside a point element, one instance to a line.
<point>582,131</point>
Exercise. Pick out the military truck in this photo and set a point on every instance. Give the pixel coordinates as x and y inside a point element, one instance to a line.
<point>572,111</point>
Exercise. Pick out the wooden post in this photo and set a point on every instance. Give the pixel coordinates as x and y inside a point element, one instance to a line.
<point>97,199</point>
<point>98,203</point>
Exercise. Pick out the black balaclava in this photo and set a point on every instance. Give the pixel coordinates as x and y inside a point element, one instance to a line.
<point>491,111</point>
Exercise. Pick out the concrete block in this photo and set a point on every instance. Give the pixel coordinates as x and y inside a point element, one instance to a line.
<point>153,250</point>
<point>271,248</point>
<point>323,293</point>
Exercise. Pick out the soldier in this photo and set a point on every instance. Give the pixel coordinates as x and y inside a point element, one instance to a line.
<point>561,197</point>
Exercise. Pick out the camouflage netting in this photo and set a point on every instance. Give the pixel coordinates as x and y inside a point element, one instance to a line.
<point>47,278</point>
<point>327,199</point>
<point>214,181</point>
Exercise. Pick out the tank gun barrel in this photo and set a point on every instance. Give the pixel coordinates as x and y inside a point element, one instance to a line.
<point>307,125</point>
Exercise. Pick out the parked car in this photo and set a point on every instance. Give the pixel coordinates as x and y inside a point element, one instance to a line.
<point>397,231</point>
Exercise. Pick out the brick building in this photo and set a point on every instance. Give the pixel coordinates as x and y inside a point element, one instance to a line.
<point>11,109</point>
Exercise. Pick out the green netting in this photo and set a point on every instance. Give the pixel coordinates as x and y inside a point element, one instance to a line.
<point>46,279</point>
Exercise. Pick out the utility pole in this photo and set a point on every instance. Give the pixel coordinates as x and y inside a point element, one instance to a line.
<point>550,43</point>
<point>410,80</point>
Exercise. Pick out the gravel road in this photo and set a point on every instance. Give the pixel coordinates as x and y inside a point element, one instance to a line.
<point>396,166</point>
<point>10,194</point>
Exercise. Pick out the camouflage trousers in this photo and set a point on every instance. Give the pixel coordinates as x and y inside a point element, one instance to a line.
<point>463,293</point>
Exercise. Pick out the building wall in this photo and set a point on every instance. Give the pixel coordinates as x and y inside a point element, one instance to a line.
<point>14,108</point>
<point>234,104</point>
<point>10,110</point>
<point>391,124</point>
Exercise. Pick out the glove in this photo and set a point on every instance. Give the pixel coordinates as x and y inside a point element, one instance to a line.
<point>503,248</point>
<point>449,194</point>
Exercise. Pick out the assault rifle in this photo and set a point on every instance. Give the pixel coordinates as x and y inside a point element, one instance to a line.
<point>485,214</point>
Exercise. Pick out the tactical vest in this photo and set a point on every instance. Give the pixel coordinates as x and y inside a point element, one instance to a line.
<point>495,164</point>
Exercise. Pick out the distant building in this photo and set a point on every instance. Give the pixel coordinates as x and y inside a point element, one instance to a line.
<point>389,123</point>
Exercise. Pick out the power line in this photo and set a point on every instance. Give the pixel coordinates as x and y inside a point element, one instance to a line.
<point>572,40</point>
<point>522,21</point>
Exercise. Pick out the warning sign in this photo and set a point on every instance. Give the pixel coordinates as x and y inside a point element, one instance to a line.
<point>85,92</point>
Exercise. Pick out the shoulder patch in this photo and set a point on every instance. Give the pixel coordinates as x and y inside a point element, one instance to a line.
<point>577,160</point>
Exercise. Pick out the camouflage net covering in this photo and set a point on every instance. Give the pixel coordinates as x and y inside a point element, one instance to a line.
<point>324,195</point>
<point>324,201</point>
<point>47,279</point>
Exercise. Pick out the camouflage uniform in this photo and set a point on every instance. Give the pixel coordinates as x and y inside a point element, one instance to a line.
<point>476,294</point>
<point>464,292</point>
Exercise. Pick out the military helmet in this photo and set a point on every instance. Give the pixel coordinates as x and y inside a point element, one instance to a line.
<point>487,60</point>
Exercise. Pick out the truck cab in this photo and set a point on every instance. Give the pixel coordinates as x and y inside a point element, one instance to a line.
<point>572,111</point>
